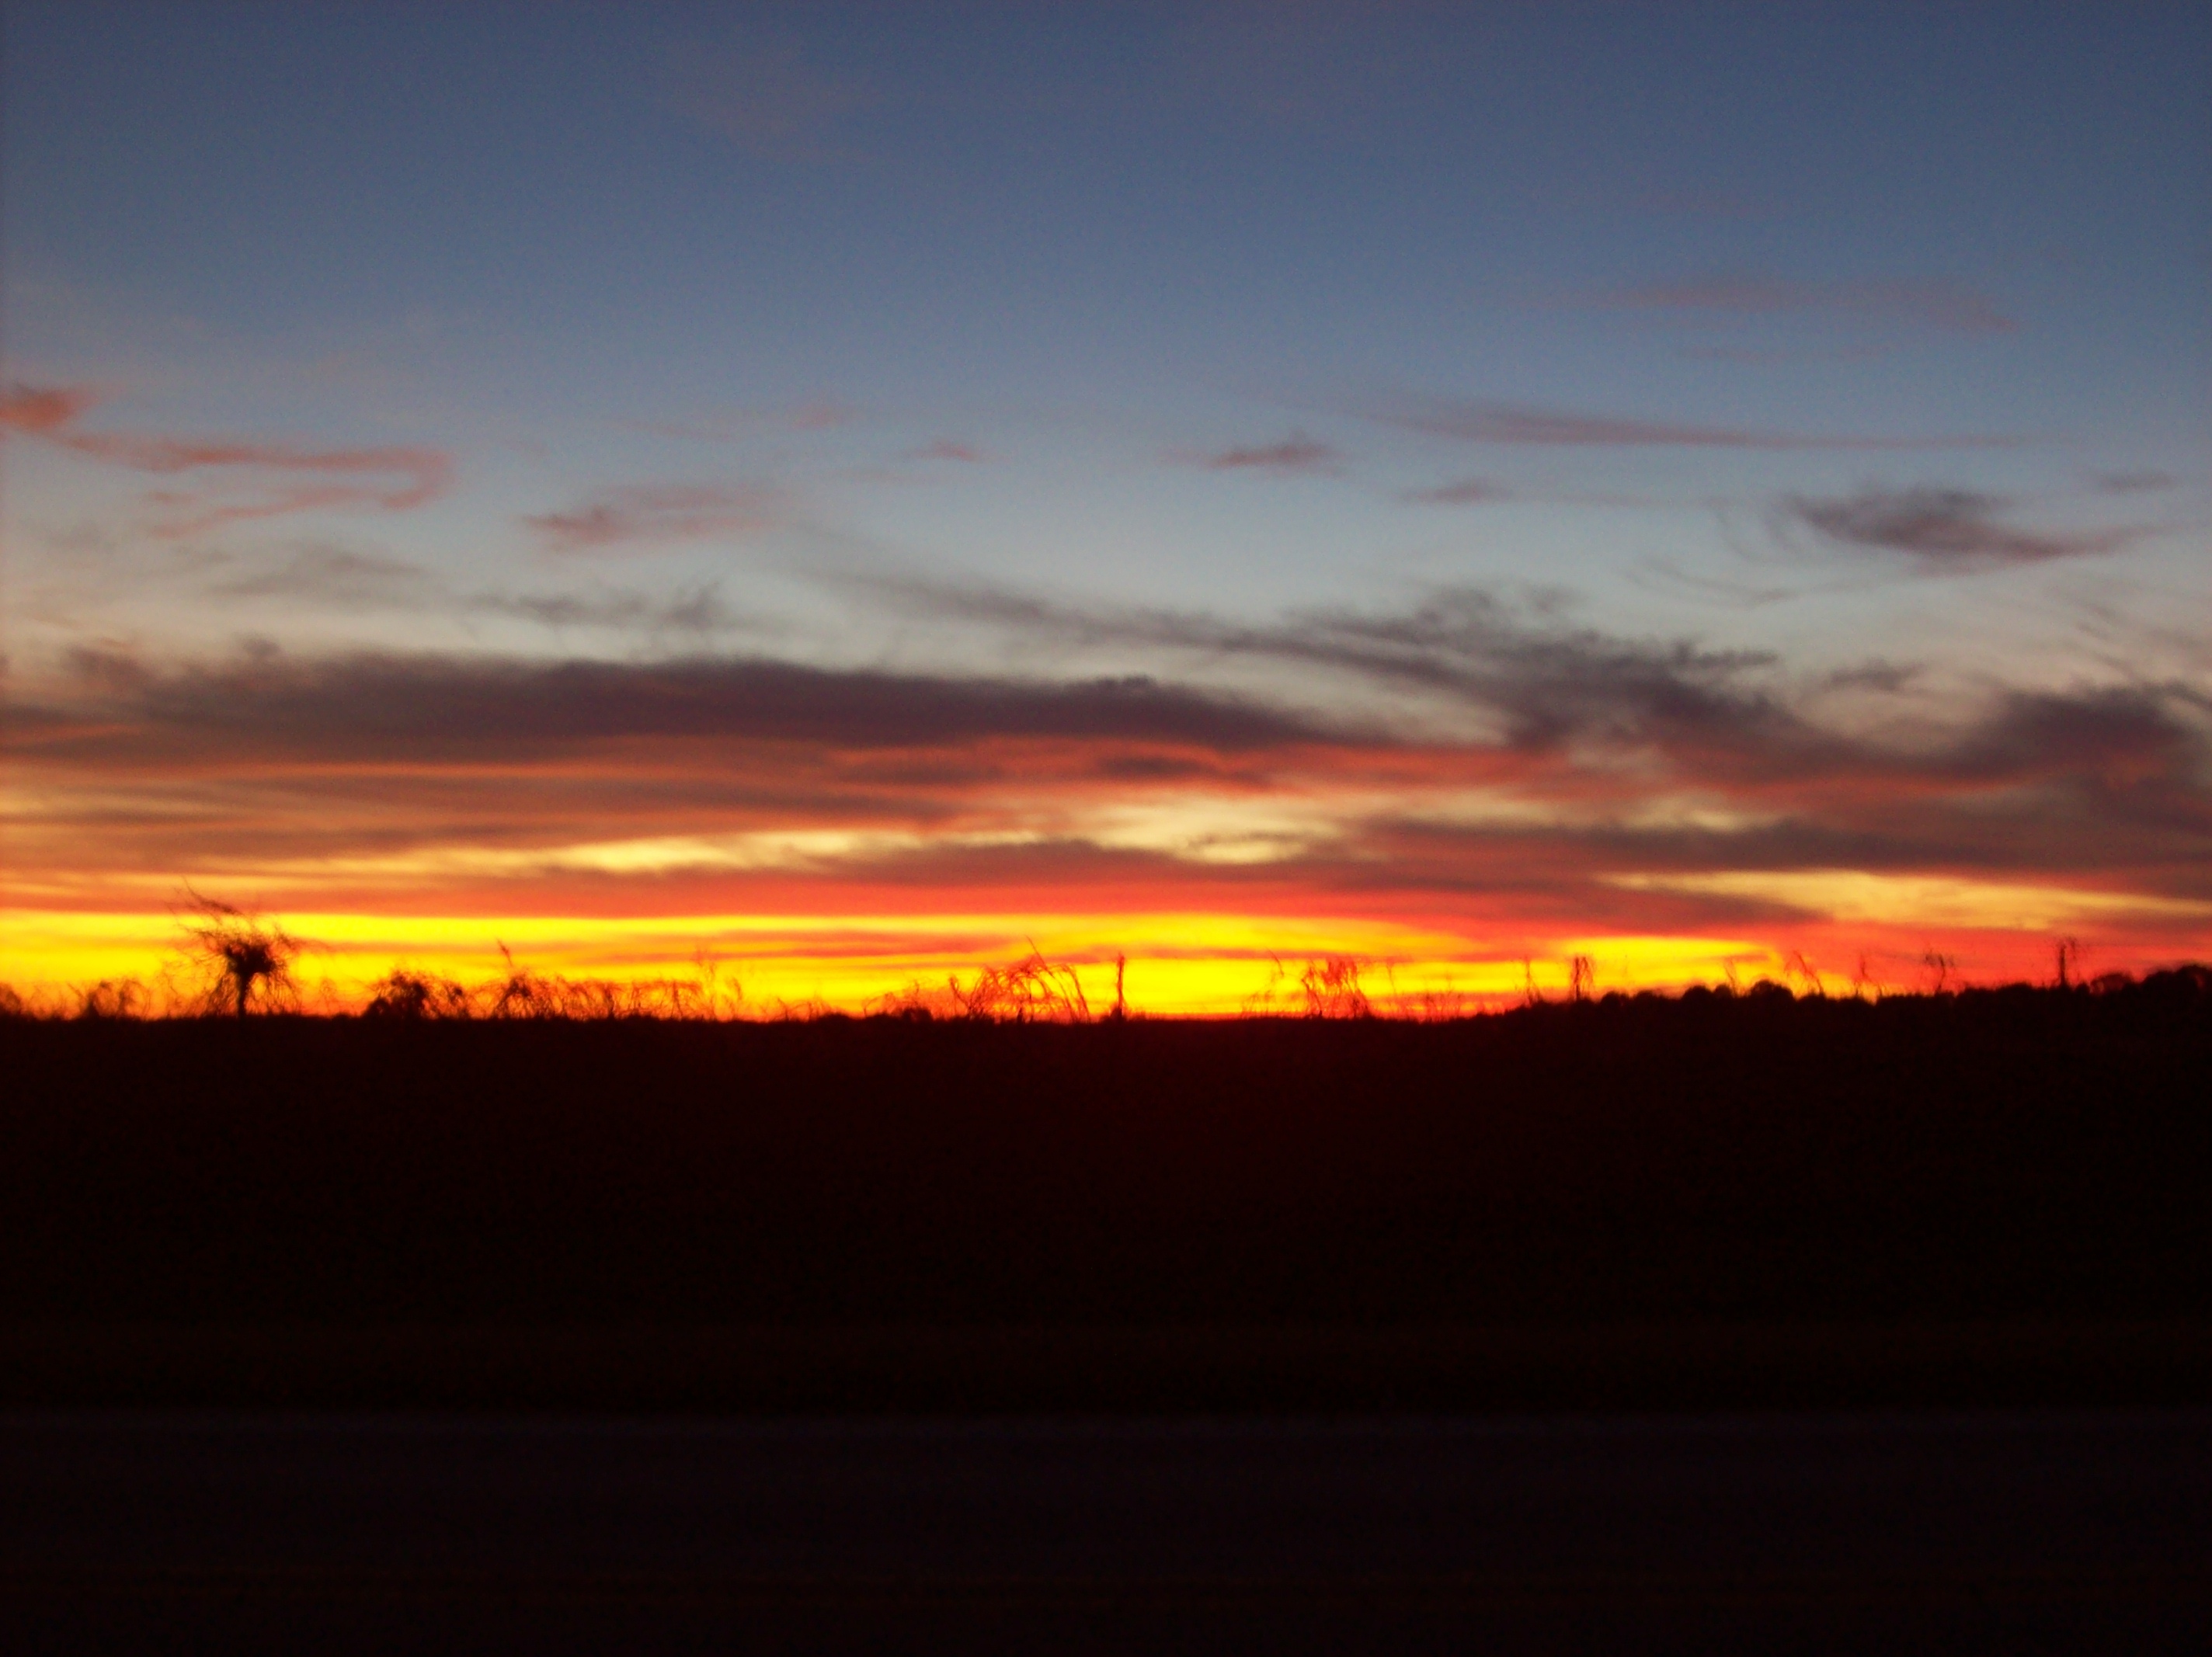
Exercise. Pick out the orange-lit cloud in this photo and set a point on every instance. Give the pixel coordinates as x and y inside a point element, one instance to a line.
<point>1563,784</point>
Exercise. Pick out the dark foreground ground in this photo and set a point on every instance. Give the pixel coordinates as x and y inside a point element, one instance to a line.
<point>1717,1324</point>
<point>2002,1199</point>
<point>1906,1534</point>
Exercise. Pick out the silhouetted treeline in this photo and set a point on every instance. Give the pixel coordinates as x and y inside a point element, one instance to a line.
<point>2017,1153</point>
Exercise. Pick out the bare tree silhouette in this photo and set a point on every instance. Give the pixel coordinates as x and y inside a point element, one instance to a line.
<point>237,954</point>
<point>2068,951</point>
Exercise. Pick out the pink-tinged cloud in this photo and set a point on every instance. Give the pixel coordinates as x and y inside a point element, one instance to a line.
<point>1294,453</point>
<point>1507,424</point>
<point>43,409</point>
<point>393,478</point>
<point>1937,302</point>
<point>663,512</point>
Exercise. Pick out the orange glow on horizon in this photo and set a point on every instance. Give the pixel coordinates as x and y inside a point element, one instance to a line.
<point>1178,964</point>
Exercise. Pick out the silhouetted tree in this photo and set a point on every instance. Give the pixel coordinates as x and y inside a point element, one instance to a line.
<point>238,953</point>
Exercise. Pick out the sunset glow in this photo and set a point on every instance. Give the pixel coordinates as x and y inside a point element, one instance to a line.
<point>825,503</point>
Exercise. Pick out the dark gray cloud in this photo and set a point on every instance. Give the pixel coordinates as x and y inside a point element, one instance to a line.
<point>1567,701</point>
<point>1956,529</point>
<point>365,706</point>
<point>1546,684</point>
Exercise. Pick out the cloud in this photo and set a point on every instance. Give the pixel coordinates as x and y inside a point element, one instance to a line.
<point>1937,302</point>
<point>945,448</point>
<point>656,513</point>
<point>340,578</point>
<point>381,705</point>
<point>1766,356</point>
<point>1294,453</point>
<point>1944,529</point>
<point>1506,423</point>
<point>393,478</point>
<point>698,610</point>
<point>1568,707</point>
<point>334,576</point>
<point>1466,492</point>
<point>2133,482</point>
<point>1607,778</point>
<point>44,410</point>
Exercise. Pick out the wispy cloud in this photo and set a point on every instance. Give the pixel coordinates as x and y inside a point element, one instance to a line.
<point>1935,302</point>
<point>1508,424</point>
<point>2142,482</point>
<point>1947,529</point>
<point>392,478</point>
<point>338,577</point>
<point>656,513</point>
<point>1464,492</point>
<point>945,448</point>
<point>343,579</point>
<point>1768,355</point>
<point>1296,453</point>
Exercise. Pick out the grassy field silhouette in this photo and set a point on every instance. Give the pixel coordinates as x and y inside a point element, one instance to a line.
<point>1361,1199</point>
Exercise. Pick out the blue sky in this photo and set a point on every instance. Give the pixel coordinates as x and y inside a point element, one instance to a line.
<point>980,340</point>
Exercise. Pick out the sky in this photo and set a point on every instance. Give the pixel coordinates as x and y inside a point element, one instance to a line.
<point>833,497</point>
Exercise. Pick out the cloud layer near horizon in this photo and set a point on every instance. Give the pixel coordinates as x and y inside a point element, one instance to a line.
<point>1582,780</point>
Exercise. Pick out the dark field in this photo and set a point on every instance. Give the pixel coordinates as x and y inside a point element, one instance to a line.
<point>2028,1533</point>
<point>1993,1198</point>
<point>1724,1324</point>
